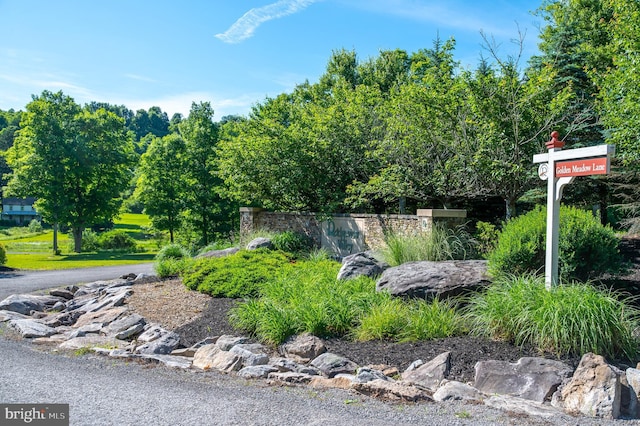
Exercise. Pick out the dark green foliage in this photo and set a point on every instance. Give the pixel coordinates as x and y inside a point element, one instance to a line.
<point>117,240</point>
<point>239,275</point>
<point>90,241</point>
<point>291,242</point>
<point>587,249</point>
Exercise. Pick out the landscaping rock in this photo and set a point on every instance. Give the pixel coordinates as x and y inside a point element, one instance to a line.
<point>11,315</point>
<point>92,340</point>
<point>127,325</point>
<point>219,253</point>
<point>633,379</point>
<point>290,377</point>
<point>105,317</point>
<point>431,373</point>
<point>250,358</point>
<point>257,371</point>
<point>525,406</point>
<point>303,348</point>
<point>457,391</point>
<point>169,360</point>
<point>331,364</point>
<point>26,303</point>
<point>260,243</point>
<point>530,378</point>
<point>30,328</point>
<point>158,341</point>
<point>226,362</point>
<point>594,390</point>
<point>65,294</point>
<point>203,358</point>
<point>392,391</point>
<point>361,264</point>
<point>335,383</point>
<point>226,342</point>
<point>366,374</point>
<point>428,279</point>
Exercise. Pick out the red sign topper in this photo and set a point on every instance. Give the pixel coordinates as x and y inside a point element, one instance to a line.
<point>583,167</point>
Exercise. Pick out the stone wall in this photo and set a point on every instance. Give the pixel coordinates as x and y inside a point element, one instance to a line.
<point>345,234</point>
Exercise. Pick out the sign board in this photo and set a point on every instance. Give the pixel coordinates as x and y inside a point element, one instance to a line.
<point>585,167</point>
<point>343,235</point>
<point>559,168</point>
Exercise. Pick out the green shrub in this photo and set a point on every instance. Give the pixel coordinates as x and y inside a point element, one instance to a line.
<point>239,275</point>
<point>569,319</point>
<point>90,241</point>
<point>35,226</point>
<point>172,251</point>
<point>3,254</point>
<point>172,267</point>
<point>486,237</point>
<point>117,239</point>
<point>441,243</point>
<point>586,248</point>
<point>291,242</point>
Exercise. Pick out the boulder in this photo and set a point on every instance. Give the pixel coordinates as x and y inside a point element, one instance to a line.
<point>126,326</point>
<point>290,377</point>
<point>250,358</point>
<point>331,364</point>
<point>594,390</point>
<point>259,243</point>
<point>64,293</point>
<point>157,341</point>
<point>25,303</point>
<point>530,378</point>
<point>428,279</point>
<point>431,373</point>
<point>303,348</point>
<point>226,342</point>
<point>366,374</point>
<point>361,264</point>
<point>633,379</point>
<point>203,357</point>
<point>219,253</point>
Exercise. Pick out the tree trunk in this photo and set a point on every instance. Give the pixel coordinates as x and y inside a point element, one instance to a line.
<point>55,239</point>
<point>511,208</point>
<point>171,235</point>
<point>77,239</point>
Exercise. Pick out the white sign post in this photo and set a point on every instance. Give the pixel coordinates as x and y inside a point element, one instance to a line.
<point>559,168</point>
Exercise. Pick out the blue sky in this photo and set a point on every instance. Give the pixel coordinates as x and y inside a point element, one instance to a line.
<point>142,53</point>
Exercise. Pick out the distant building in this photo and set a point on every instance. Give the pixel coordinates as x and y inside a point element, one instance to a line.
<point>19,210</point>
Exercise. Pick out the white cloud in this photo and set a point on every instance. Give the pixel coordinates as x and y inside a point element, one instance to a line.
<point>244,27</point>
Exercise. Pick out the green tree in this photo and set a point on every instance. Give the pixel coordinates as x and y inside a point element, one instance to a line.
<point>207,209</point>
<point>74,161</point>
<point>161,182</point>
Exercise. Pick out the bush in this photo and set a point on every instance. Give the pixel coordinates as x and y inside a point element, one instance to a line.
<point>35,226</point>
<point>486,237</point>
<point>291,242</point>
<point>586,248</point>
<point>441,243</point>
<point>117,240</point>
<point>3,254</point>
<point>172,251</point>
<point>569,319</point>
<point>171,267</point>
<point>90,241</point>
<point>239,275</point>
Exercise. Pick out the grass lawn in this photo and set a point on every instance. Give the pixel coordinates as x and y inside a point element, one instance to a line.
<point>33,251</point>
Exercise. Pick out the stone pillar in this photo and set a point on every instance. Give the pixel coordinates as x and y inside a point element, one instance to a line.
<point>248,219</point>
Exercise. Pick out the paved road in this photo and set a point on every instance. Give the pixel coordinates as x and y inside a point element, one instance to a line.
<point>12,282</point>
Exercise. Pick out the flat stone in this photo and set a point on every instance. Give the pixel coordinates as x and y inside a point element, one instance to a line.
<point>530,378</point>
<point>91,341</point>
<point>65,294</point>
<point>160,345</point>
<point>392,391</point>
<point>257,371</point>
<point>126,323</point>
<point>11,315</point>
<point>525,406</point>
<point>105,317</point>
<point>291,377</point>
<point>169,360</point>
<point>30,328</point>
<point>457,391</point>
<point>334,383</point>
<point>331,364</point>
<point>130,332</point>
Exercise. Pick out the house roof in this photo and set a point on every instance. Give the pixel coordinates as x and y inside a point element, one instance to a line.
<point>14,201</point>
